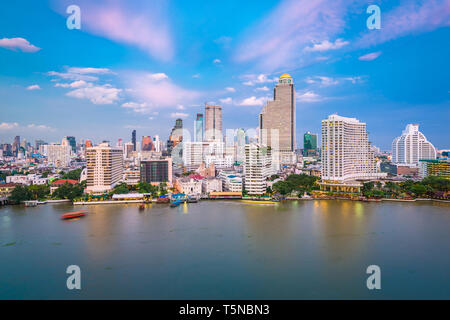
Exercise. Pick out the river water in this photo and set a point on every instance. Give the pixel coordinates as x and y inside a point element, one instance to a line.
<point>228,250</point>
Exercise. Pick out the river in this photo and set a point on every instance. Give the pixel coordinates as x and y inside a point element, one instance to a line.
<point>316,249</point>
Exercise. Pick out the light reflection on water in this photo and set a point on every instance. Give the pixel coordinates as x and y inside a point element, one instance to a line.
<point>228,250</point>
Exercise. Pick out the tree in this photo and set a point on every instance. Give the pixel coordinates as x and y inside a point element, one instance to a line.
<point>282,187</point>
<point>39,191</point>
<point>73,175</point>
<point>121,189</point>
<point>20,193</point>
<point>418,189</point>
<point>69,191</point>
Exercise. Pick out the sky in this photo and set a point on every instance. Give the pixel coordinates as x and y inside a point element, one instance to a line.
<point>142,64</point>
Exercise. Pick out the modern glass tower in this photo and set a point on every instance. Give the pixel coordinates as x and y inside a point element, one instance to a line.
<point>309,144</point>
<point>198,128</point>
<point>133,139</point>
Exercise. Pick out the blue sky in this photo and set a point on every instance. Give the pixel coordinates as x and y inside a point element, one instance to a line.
<point>141,64</point>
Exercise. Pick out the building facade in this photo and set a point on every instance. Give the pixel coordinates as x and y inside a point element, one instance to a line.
<point>411,147</point>
<point>104,168</point>
<point>213,123</point>
<point>58,155</point>
<point>257,168</point>
<point>277,121</point>
<point>346,152</point>
<point>437,168</point>
<point>156,171</point>
<point>198,128</point>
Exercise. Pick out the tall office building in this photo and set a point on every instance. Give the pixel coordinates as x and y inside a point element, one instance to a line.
<point>157,143</point>
<point>411,147</point>
<point>309,144</point>
<point>176,136</point>
<point>133,139</point>
<point>147,144</point>
<point>213,123</point>
<point>104,168</point>
<point>16,146</point>
<point>257,168</point>
<point>156,171</point>
<point>278,118</point>
<point>198,128</point>
<point>72,143</point>
<point>346,152</point>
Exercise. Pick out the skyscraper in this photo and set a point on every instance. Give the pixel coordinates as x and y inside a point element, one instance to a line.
<point>133,139</point>
<point>411,147</point>
<point>213,123</point>
<point>176,136</point>
<point>156,171</point>
<point>72,144</point>
<point>198,128</point>
<point>147,144</point>
<point>346,152</point>
<point>278,117</point>
<point>309,144</point>
<point>16,146</point>
<point>257,168</point>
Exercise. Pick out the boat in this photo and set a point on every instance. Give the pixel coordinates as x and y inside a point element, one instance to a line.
<point>72,215</point>
<point>141,206</point>
<point>31,203</point>
<point>192,200</point>
<point>175,203</point>
<point>258,201</point>
<point>162,200</point>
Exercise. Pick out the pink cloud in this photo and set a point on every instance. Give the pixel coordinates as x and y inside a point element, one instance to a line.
<point>18,44</point>
<point>139,23</point>
<point>409,18</point>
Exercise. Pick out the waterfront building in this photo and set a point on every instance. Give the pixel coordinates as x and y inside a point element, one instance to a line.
<point>309,144</point>
<point>104,168</point>
<point>211,185</point>
<point>58,155</point>
<point>198,128</point>
<point>156,171</point>
<point>213,123</point>
<point>132,176</point>
<point>231,182</point>
<point>257,168</point>
<point>411,147</point>
<point>346,154</point>
<point>189,186</point>
<point>439,168</point>
<point>277,121</point>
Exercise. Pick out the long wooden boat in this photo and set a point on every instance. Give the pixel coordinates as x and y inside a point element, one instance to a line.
<point>72,215</point>
<point>175,203</point>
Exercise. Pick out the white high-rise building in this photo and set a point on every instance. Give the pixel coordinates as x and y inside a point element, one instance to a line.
<point>257,168</point>
<point>58,155</point>
<point>346,152</point>
<point>104,168</point>
<point>411,147</point>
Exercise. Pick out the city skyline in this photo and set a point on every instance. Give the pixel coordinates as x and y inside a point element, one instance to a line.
<point>51,88</point>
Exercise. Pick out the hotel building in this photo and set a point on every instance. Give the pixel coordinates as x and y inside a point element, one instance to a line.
<point>156,171</point>
<point>411,147</point>
<point>104,168</point>
<point>213,123</point>
<point>346,154</point>
<point>438,168</point>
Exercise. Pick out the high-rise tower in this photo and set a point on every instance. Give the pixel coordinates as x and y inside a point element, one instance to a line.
<point>213,123</point>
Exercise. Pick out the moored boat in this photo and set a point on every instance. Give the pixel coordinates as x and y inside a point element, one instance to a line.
<point>72,215</point>
<point>175,203</point>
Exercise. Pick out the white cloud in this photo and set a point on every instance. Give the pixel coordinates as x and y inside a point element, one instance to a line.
<point>75,84</point>
<point>89,70</point>
<point>178,115</point>
<point>8,125</point>
<point>34,87</point>
<point>309,96</point>
<point>15,44</point>
<point>327,45</point>
<point>180,107</point>
<point>72,76</point>
<point>370,56</point>
<point>97,94</point>
<point>322,80</point>
<point>40,127</point>
<point>217,61</point>
<point>230,89</point>
<point>136,107</point>
<point>196,76</point>
<point>226,100</point>
<point>253,101</point>
<point>253,79</point>
<point>265,88</point>
<point>224,41</point>
<point>158,76</point>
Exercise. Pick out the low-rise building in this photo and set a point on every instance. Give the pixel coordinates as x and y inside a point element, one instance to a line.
<point>189,186</point>
<point>58,183</point>
<point>211,185</point>
<point>438,168</point>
